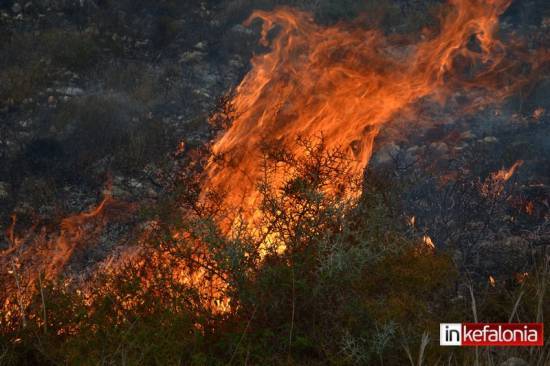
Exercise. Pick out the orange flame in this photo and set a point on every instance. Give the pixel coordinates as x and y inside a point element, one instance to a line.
<point>36,252</point>
<point>72,232</point>
<point>522,277</point>
<point>346,83</point>
<point>428,242</point>
<point>504,175</point>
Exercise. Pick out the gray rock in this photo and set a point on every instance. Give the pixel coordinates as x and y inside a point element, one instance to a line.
<point>514,361</point>
<point>386,154</point>
<point>201,46</point>
<point>16,8</point>
<point>71,91</point>
<point>151,193</point>
<point>25,123</point>
<point>191,56</point>
<point>440,147</point>
<point>467,135</point>
<point>490,139</point>
<point>413,150</point>
<point>242,30</point>
<point>134,183</point>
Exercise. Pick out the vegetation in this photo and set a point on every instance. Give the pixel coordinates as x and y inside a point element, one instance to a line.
<point>351,287</point>
<point>316,279</point>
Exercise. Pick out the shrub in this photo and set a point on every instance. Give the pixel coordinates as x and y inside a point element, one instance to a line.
<point>351,287</point>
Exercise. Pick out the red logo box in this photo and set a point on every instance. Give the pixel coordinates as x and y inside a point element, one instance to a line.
<point>503,334</point>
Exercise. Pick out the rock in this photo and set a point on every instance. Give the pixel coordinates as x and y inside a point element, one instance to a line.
<point>25,123</point>
<point>134,183</point>
<point>386,154</point>
<point>4,191</point>
<point>440,147</point>
<point>151,193</point>
<point>467,135</point>
<point>71,91</point>
<point>16,8</point>
<point>241,30</point>
<point>413,150</point>
<point>201,46</point>
<point>412,153</point>
<point>514,361</point>
<point>490,139</point>
<point>191,56</point>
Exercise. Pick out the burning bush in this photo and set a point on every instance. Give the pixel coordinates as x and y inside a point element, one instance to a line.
<point>304,277</point>
<point>310,278</point>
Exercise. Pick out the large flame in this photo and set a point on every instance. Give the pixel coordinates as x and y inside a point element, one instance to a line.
<point>345,83</point>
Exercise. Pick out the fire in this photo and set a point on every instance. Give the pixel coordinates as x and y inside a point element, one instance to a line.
<point>340,83</point>
<point>504,175</point>
<point>494,185</point>
<point>39,252</point>
<point>428,242</point>
<point>345,83</point>
<point>522,277</point>
<point>72,232</point>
